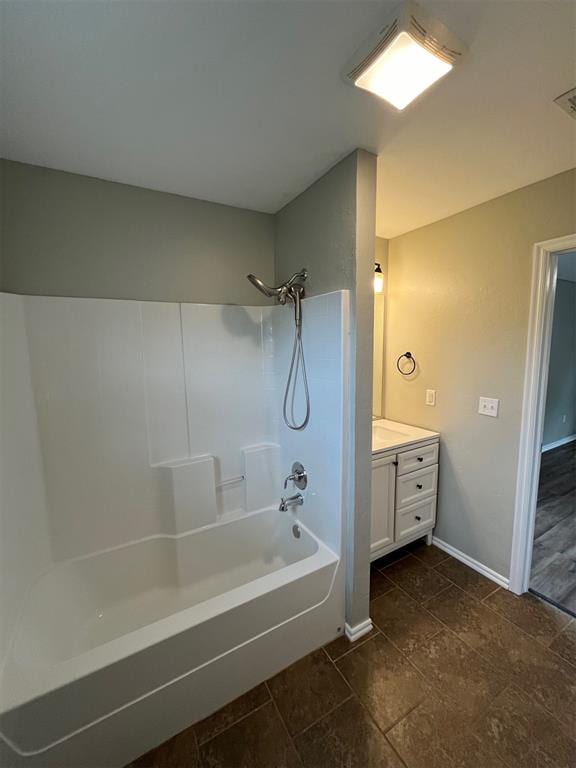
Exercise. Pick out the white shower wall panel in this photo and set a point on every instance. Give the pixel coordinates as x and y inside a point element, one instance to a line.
<point>117,388</point>
<point>164,380</point>
<point>228,356</point>
<point>24,535</point>
<point>89,378</point>
<point>321,446</point>
<point>121,389</point>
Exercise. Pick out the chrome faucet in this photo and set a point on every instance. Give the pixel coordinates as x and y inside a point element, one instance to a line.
<point>291,501</point>
<point>298,476</point>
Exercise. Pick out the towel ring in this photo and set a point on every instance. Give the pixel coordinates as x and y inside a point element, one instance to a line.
<point>408,356</point>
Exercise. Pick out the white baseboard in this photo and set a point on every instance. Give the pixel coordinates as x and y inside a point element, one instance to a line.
<point>558,443</point>
<point>467,560</point>
<point>358,630</point>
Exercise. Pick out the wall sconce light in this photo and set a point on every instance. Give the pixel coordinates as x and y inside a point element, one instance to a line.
<point>378,278</point>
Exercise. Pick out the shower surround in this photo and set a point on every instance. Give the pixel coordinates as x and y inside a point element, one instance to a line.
<point>147,574</point>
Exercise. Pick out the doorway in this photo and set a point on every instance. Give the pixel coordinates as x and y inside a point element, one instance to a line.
<point>553,568</point>
<point>544,540</point>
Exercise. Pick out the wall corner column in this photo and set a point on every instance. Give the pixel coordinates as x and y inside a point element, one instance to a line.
<point>358,533</point>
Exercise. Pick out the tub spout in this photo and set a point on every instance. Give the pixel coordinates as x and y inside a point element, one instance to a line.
<point>291,501</point>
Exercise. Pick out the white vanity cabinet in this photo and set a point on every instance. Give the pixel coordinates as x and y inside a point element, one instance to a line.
<point>383,493</point>
<point>404,488</point>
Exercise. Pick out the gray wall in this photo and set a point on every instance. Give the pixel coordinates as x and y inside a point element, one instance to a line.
<point>458,298</point>
<point>62,234</point>
<point>561,394</point>
<point>318,230</point>
<point>330,229</point>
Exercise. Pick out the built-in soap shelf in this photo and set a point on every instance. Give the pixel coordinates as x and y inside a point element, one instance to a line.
<point>231,481</point>
<point>195,496</point>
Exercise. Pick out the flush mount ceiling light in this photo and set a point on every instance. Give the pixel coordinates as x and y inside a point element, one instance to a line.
<point>409,53</point>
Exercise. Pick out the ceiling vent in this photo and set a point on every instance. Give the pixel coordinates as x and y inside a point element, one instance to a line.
<point>409,52</point>
<point>567,102</point>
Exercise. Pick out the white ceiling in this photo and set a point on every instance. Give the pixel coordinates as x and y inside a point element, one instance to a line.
<point>241,102</point>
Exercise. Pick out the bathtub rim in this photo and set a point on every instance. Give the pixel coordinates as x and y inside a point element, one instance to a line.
<point>323,633</point>
<point>130,643</point>
<point>115,548</point>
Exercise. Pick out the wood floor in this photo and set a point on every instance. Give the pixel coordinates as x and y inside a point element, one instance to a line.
<point>554,555</point>
<point>457,673</point>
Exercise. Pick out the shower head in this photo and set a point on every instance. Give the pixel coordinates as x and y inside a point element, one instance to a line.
<point>282,290</point>
<point>263,288</point>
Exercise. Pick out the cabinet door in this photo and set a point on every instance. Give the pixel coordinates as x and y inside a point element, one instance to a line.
<point>383,488</point>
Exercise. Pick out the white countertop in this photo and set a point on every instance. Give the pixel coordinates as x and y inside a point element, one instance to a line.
<point>387,435</point>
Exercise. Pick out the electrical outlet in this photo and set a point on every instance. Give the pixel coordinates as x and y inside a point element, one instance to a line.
<point>430,397</point>
<point>488,406</point>
<point>563,418</point>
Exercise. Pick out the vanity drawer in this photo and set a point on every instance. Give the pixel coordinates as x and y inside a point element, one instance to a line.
<point>410,520</point>
<point>418,458</point>
<point>415,486</point>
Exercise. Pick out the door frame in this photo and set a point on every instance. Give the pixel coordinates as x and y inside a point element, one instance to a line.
<point>544,275</point>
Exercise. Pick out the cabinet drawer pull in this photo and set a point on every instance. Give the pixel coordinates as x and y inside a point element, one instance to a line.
<point>417,517</point>
<point>420,458</point>
<point>419,486</point>
<point>395,463</point>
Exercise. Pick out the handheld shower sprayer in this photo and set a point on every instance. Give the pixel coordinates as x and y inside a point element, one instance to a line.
<point>292,290</point>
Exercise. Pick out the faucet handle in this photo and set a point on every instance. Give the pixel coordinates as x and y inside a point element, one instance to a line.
<point>298,476</point>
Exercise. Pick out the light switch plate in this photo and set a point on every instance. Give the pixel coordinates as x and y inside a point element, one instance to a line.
<point>430,397</point>
<point>488,406</point>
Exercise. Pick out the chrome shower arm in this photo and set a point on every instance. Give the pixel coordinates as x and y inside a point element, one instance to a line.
<point>297,278</point>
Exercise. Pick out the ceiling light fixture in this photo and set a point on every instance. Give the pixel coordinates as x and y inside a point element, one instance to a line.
<point>567,102</point>
<point>409,53</point>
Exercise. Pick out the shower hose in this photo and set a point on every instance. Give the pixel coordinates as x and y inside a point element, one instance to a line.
<point>296,364</point>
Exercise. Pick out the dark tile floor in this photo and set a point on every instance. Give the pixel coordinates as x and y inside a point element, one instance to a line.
<point>554,554</point>
<point>457,673</point>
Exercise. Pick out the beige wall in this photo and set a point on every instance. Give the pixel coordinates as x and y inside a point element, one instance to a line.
<point>458,298</point>
<point>380,256</point>
<point>330,229</point>
<point>62,234</point>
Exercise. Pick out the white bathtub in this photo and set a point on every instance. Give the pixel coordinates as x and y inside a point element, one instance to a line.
<point>151,636</point>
